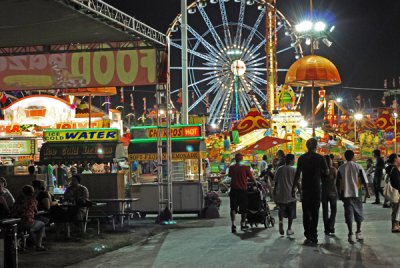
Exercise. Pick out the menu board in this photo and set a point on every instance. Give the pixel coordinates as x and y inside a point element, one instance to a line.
<point>17,147</point>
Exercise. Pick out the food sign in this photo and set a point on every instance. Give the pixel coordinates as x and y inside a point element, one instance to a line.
<point>83,135</point>
<point>81,69</point>
<point>17,147</point>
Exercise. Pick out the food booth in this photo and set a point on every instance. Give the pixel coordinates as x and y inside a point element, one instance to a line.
<point>98,146</point>
<point>188,177</point>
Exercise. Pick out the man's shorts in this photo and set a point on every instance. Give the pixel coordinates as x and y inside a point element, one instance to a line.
<point>353,208</point>
<point>287,210</point>
<point>238,198</point>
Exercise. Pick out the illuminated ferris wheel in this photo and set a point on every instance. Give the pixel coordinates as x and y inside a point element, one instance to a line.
<point>227,61</point>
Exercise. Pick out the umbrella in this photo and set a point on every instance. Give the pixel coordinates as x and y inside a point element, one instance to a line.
<point>266,143</point>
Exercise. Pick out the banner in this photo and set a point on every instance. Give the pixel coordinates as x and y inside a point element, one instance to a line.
<point>187,131</point>
<point>17,147</point>
<point>74,135</point>
<point>81,69</point>
<point>175,156</point>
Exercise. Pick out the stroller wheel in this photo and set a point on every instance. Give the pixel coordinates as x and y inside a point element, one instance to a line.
<point>256,225</point>
<point>272,221</point>
<point>251,225</point>
<point>265,223</point>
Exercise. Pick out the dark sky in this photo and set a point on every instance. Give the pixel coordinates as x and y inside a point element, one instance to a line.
<point>366,36</point>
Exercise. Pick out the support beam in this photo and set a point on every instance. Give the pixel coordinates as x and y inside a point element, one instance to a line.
<point>185,90</point>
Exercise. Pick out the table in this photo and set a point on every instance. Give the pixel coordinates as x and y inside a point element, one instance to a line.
<point>122,201</point>
<point>69,212</point>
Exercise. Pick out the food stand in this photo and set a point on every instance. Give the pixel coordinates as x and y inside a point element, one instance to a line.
<point>99,145</point>
<point>188,150</point>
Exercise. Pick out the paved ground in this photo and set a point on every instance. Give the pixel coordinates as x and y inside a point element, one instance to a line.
<point>209,243</point>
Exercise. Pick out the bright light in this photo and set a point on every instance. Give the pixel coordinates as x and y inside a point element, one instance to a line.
<point>319,26</point>
<point>304,26</point>
<point>308,41</point>
<point>214,126</point>
<point>339,99</point>
<point>303,123</point>
<point>358,116</point>
<point>395,115</point>
<point>161,112</point>
<point>326,42</point>
<point>332,28</point>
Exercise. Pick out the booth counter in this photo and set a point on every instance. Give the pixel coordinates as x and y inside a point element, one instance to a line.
<point>188,182</point>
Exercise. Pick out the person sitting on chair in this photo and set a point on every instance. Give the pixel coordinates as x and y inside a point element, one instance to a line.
<point>77,194</point>
<point>6,199</point>
<point>25,208</point>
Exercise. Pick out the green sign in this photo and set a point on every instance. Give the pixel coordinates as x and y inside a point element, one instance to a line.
<point>17,147</point>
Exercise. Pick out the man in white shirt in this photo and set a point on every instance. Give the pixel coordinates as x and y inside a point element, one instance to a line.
<point>349,176</point>
<point>262,167</point>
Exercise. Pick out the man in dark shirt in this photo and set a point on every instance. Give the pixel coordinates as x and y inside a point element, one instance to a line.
<point>312,167</point>
<point>238,194</point>
<point>378,176</point>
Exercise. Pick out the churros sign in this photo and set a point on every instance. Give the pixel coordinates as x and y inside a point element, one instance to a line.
<point>83,69</point>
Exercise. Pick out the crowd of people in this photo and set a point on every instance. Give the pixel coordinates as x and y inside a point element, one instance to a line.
<point>35,198</point>
<point>318,180</point>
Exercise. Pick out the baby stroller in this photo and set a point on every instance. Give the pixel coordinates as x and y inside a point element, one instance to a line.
<point>257,207</point>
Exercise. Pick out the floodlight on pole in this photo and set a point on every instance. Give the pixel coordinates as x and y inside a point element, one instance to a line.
<point>339,99</point>
<point>303,123</point>
<point>357,117</point>
<point>319,26</point>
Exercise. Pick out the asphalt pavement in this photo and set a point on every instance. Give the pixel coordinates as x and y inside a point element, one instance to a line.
<point>209,243</point>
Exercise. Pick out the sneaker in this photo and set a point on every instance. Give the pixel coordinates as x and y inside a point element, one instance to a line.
<point>289,232</point>
<point>40,248</point>
<point>233,229</point>
<point>307,242</point>
<point>359,236</point>
<point>281,231</point>
<point>376,203</point>
<point>351,239</point>
<point>244,227</point>
<point>386,205</point>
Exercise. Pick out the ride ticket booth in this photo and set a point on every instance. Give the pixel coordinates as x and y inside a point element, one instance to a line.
<point>97,146</point>
<point>188,177</point>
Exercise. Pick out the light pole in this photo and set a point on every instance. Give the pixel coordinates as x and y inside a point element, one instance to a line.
<point>312,32</point>
<point>395,115</point>
<point>339,101</point>
<point>357,117</point>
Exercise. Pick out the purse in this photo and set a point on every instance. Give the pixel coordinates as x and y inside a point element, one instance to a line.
<point>391,193</point>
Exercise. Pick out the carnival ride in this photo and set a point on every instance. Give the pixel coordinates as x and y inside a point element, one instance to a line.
<point>227,56</point>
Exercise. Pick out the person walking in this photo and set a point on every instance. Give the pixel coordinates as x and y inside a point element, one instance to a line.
<point>312,167</point>
<point>348,178</point>
<point>283,194</point>
<point>378,176</point>
<point>239,174</point>
<point>329,197</point>
<point>392,170</point>
<point>262,167</point>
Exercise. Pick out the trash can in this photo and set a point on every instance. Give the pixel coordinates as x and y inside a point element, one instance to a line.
<point>8,243</point>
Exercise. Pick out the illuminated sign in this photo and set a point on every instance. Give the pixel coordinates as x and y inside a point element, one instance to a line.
<point>17,147</point>
<point>73,135</point>
<point>105,123</point>
<point>175,156</point>
<point>181,131</point>
<point>81,69</point>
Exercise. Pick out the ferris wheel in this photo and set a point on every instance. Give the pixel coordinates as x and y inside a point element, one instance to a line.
<point>227,61</point>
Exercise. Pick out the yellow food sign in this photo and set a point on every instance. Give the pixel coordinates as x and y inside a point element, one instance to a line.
<point>74,135</point>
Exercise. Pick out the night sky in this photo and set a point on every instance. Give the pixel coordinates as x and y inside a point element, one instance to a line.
<point>365,39</point>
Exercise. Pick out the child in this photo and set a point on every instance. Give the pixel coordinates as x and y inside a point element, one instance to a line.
<point>284,179</point>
